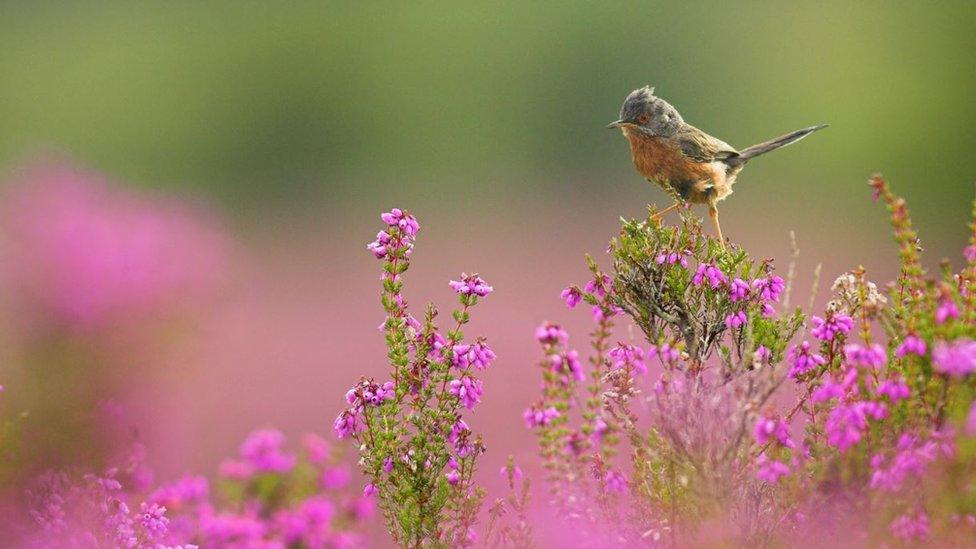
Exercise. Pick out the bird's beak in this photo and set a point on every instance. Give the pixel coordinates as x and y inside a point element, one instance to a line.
<point>617,124</point>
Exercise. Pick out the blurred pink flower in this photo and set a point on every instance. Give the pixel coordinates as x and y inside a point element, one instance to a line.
<point>85,250</point>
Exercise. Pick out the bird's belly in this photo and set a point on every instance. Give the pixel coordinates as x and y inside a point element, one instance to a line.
<point>663,163</point>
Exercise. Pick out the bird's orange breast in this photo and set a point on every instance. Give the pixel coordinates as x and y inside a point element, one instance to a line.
<point>661,161</point>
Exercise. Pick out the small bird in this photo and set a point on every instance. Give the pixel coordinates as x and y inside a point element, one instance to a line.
<point>690,165</point>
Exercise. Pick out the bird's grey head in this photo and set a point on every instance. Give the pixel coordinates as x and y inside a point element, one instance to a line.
<point>649,114</point>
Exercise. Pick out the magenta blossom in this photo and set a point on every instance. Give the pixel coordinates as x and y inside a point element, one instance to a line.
<point>769,288</point>
<point>738,290</point>
<point>909,527</point>
<point>770,470</point>
<point>572,296</point>
<point>894,390</point>
<point>471,285</point>
<point>826,330</point>
<point>803,359</point>
<point>912,344</point>
<point>599,286</point>
<point>736,320</point>
<point>770,429</point>
<point>477,355</point>
<point>349,423</point>
<point>551,333</point>
<point>568,363</point>
<point>711,273</point>
<point>537,416</point>
<point>624,355</point>
<point>956,359</point>
<point>873,356</point>
<point>263,450</point>
<point>401,220</point>
<point>947,310</point>
<point>468,390</point>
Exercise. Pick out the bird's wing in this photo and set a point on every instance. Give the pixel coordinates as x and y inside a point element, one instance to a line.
<point>701,147</point>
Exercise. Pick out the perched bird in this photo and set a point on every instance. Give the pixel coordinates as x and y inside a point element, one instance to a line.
<point>690,165</point>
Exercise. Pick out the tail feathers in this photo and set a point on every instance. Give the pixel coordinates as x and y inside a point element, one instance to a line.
<point>773,144</point>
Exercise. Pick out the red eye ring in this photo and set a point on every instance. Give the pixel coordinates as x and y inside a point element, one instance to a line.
<point>643,118</point>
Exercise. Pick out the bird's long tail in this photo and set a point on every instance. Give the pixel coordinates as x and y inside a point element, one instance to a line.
<point>773,144</point>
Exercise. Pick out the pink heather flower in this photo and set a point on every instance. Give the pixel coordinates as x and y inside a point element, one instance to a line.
<point>671,258</point>
<point>770,470</point>
<point>828,391</point>
<point>401,220</point>
<point>947,309</point>
<point>713,274</point>
<point>348,424</point>
<point>477,355</point>
<point>335,478</point>
<point>739,290</point>
<point>551,333</point>
<point>369,490</point>
<point>471,285</point>
<point>846,423</point>
<point>468,390</point>
<point>769,288</point>
<point>970,253</point>
<point>669,353</point>
<point>379,247</point>
<point>803,359</point>
<point>893,389</point>
<point>459,431</point>
<point>536,416</point>
<point>912,344</point>
<point>826,330</point>
<point>736,320</point>
<point>368,392</point>
<point>956,359</point>
<point>908,527</point>
<point>388,465</point>
<point>770,429</point>
<point>152,518</point>
<point>568,363</point>
<point>453,477</point>
<point>316,448</point>
<point>262,449</point>
<point>88,252</point>
<point>616,482</point>
<point>912,457</point>
<point>762,355</point>
<point>599,286</point>
<point>183,492</point>
<point>624,356</point>
<point>599,314</point>
<point>572,296</point>
<point>873,356</point>
<point>235,469</point>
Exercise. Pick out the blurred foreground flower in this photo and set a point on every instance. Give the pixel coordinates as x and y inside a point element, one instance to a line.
<point>83,251</point>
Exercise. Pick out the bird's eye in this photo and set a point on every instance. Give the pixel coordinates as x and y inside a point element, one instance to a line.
<point>643,118</point>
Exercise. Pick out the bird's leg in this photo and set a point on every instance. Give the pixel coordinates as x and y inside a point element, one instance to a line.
<point>713,212</point>
<point>658,215</point>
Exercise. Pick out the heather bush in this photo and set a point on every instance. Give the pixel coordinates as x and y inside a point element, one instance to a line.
<point>721,423</point>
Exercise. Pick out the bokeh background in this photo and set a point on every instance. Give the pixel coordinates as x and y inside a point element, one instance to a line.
<point>285,129</point>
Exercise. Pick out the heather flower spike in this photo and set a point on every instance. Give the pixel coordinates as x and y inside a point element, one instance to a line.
<point>422,477</point>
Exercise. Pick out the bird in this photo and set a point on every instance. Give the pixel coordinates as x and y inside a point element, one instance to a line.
<point>690,165</point>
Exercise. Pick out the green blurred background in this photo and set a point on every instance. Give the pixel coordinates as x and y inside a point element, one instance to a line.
<point>258,102</point>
